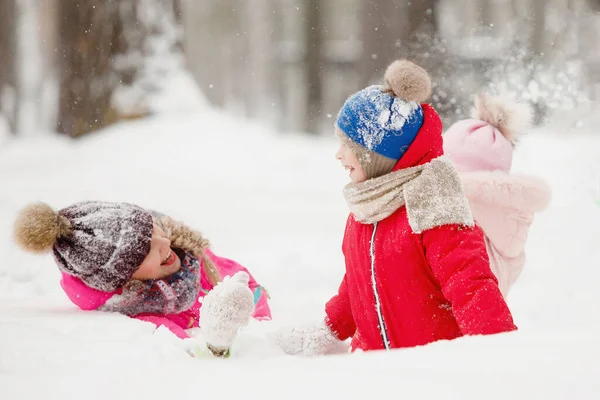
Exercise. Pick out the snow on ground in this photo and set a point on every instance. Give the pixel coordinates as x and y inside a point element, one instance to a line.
<point>273,202</point>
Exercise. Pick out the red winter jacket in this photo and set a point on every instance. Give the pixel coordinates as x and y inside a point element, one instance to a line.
<point>415,288</point>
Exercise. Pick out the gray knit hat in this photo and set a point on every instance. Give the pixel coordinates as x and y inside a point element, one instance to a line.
<point>101,243</point>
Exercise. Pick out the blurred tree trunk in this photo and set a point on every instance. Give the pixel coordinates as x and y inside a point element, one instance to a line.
<point>538,40</point>
<point>313,41</point>
<point>211,32</point>
<point>390,30</point>
<point>259,57</point>
<point>594,5</point>
<point>89,37</point>
<point>277,86</point>
<point>103,48</point>
<point>48,31</point>
<point>8,87</point>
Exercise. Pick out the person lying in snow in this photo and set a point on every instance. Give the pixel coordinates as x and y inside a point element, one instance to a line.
<point>503,203</point>
<point>118,257</point>
<point>417,269</point>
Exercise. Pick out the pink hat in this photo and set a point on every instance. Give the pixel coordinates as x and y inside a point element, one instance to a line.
<point>487,140</point>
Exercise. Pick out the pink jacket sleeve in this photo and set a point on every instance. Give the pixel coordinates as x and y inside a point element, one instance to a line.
<point>227,267</point>
<point>89,299</point>
<point>81,295</point>
<point>159,321</point>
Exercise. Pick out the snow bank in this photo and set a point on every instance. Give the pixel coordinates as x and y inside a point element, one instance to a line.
<point>273,202</point>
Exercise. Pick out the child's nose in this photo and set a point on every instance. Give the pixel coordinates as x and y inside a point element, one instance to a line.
<point>166,243</point>
<point>165,250</point>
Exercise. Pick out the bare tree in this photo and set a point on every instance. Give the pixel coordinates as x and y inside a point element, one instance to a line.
<point>313,65</point>
<point>113,61</point>
<point>259,57</point>
<point>8,77</point>
<point>103,47</point>
<point>390,30</point>
<point>89,37</point>
<point>213,48</point>
<point>48,28</point>
<point>152,36</point>
<point>594,5</point>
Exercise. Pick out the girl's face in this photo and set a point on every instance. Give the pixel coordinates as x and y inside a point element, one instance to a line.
<point>161,261</point>
<point>349,161</point>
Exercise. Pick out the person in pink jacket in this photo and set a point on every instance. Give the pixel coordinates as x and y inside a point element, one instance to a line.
<point>118,257</point>
<point>503,203</point>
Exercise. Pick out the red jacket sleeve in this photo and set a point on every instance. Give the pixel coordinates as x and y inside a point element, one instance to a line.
<point>459,261</point>
<point>339,317</point>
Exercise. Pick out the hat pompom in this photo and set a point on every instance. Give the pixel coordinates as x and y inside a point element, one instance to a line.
<point>408,81</point>
<point>504,114</point>
<point>37,227</point>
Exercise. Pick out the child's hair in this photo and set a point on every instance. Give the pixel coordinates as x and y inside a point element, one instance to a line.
<point>185,238</point>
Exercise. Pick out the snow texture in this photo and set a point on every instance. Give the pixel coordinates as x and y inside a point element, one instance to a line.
<point>391,117</point>
<point>308,340</point>
<point>162,83</point>
<point>397,115</point>
<point>211,172</point>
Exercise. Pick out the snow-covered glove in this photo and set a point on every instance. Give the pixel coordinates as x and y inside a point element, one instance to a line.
<point>311,340</point>
<point>225,309</point>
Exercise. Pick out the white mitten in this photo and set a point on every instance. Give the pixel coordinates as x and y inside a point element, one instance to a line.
<point>225,309</point>
<point>309,340</point>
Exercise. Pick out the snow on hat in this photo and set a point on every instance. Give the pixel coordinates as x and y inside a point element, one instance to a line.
<point>382,121</point>
<point>101,243</point>
<point>487,140</point>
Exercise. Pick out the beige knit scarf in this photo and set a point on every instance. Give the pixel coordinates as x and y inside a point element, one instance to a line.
<point>432,194</point>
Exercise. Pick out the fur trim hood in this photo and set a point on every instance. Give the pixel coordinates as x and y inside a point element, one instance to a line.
<point>521,192</point>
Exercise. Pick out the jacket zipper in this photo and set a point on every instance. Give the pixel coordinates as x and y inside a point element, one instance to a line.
<point>382,328</point>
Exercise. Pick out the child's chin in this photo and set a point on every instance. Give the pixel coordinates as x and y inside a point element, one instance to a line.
<point>173,269</point>
<point>355,179</point>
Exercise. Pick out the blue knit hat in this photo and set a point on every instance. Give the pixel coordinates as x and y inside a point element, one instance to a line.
<point>383,120</point>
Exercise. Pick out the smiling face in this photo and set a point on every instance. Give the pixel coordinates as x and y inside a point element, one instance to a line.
<point>350,162</point>
<point>161,261</point>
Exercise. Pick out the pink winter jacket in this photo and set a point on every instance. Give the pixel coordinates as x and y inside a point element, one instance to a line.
<point>503,205</point>
<point>87,298</point>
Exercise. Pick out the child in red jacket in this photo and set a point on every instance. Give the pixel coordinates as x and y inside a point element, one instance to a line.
<point>417,270</point>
